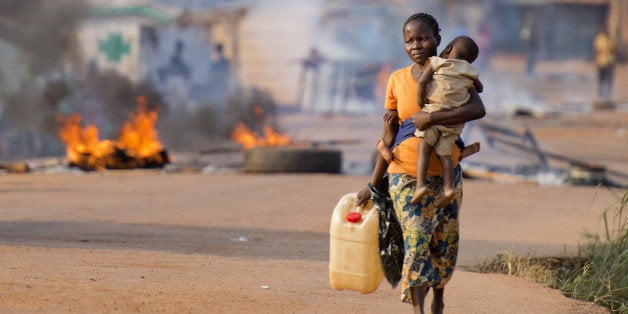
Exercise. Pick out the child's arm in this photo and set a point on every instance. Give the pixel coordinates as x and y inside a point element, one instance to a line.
<point>478,85</point>
<point>472,110</point>
<point>391,116</point>
<point>425,78</point>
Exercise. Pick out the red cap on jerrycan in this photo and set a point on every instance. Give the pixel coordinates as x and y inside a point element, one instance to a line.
<point>354,217</point>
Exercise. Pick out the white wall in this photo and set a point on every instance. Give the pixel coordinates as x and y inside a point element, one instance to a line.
<point>93,32</point>
<point>274,37</point>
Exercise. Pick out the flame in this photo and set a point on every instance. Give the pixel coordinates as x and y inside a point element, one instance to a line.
<point>138,139</point>
<point>274,139</point>
<point>138,135</point>
<point>83,141</point>
<point>243,135</point>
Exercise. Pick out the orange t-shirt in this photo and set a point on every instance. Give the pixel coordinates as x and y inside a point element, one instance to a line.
<point>401,95</point>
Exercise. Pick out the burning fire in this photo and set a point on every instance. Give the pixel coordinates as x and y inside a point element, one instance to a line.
<point>138,135</point>
<point>84,143</point>
<point>243,135</point>
<point>138,145</point>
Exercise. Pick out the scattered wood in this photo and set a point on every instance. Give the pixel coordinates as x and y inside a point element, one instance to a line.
<point>523,142</point>
<point>120,159</point>
<point>497,176</point>
<point>47,164</point>
<point>15,167</point>
<point>587,174</point>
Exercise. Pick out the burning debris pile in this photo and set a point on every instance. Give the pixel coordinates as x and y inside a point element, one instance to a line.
<point>270,151</point>
<point>514,156</point>
<point>138,145</point>
<point>248,139</point>
<point>255,131</point>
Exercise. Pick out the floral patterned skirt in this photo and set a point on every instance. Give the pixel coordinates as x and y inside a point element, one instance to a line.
<point>430,233</point>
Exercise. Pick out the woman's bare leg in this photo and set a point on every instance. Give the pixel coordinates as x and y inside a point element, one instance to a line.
<point>418,298</point>
<point>438,303</point>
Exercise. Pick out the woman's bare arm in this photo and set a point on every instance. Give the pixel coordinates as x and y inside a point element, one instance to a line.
<point>472,110</point>
<point>376,178</point>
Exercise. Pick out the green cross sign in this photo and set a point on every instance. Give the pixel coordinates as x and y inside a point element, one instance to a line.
<point>114,47</point>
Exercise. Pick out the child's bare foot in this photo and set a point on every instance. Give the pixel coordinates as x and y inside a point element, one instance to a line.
<point>384,150</point>
<point>470,150</point>
<point>418,194</point>
<point>445,198</point>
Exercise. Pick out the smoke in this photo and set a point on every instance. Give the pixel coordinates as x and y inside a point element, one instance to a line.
<point>43,76</point>
<point>36,42</point>
<point>41,68</point>
<point>43,30</point>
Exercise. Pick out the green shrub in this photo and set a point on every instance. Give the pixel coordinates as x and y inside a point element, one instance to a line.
<point>599,273</point>
<point>603,279</point>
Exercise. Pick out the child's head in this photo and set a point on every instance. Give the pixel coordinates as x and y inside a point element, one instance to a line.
<point>462,47</point>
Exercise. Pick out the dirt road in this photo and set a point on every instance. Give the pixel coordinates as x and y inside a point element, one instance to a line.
<point>174,242</point>
<point>159,241</point>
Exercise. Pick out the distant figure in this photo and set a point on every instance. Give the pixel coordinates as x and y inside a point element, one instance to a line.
<point>220,74</point>
<point>604,48</point>
<point>177,66</point>
<point>309,78</point>
<point>484,40</point>
<point>529,38</point>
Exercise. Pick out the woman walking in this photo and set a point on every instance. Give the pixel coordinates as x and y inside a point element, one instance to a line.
<point>430,233</point>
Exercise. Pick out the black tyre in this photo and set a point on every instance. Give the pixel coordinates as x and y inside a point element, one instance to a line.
<point>292,159</point>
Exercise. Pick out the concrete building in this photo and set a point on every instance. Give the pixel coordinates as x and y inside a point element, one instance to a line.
<point>113,37</point>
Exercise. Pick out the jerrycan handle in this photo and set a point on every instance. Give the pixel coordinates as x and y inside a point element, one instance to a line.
<point>356,216</point>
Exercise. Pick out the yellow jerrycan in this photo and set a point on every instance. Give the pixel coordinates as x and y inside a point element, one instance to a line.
<point>354,262</point>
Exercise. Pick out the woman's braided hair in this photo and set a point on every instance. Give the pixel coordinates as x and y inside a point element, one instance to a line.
<point>429,20</point>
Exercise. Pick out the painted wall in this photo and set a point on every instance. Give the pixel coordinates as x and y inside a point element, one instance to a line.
<point>111,44</point>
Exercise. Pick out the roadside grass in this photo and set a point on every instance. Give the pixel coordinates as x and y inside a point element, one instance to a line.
<point>598,274</point>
